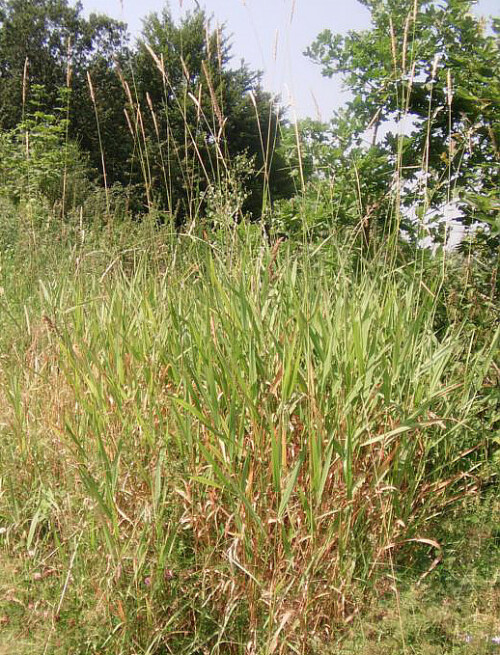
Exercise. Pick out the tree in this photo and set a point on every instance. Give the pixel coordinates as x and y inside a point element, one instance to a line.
<point>433,65</point>
<point>33,47</point>
<point>49,44</point>
<point>166,118</point>
<point>340,183</point>
<point>201,114</point>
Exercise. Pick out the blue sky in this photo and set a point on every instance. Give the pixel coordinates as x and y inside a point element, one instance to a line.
<point>271,36</point>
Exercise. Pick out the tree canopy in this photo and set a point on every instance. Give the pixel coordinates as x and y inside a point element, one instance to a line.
<point>426,76</point>
<point>204,112</point>
<point>165,117</point>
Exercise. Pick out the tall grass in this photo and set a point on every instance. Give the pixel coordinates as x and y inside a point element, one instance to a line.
<point>215,444</point>
<point>222,444</point>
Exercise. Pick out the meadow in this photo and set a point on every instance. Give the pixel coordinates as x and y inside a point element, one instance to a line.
<point>249,392</point>
<point>223,445</point>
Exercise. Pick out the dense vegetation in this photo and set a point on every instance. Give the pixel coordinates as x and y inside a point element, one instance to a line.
<point>249,396</point>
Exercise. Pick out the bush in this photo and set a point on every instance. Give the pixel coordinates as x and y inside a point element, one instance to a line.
<point>38,161</point>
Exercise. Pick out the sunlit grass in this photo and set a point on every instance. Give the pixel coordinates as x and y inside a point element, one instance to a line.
<point>223,445</point>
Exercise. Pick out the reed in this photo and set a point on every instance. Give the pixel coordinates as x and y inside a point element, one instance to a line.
<point>216,442</point>
<point>232,449</point>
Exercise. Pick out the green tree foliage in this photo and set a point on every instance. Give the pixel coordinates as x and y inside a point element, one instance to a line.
<point>188,113</point>
<point>49,43</point>
<point>103,51</point>
<point>434,65</point>
<point>201,114</point>
<point>341,182</point>
<point>37,160</point>
<point>33,46</point>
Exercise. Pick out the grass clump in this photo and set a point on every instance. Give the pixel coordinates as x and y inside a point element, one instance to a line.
<point>220,446</point>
